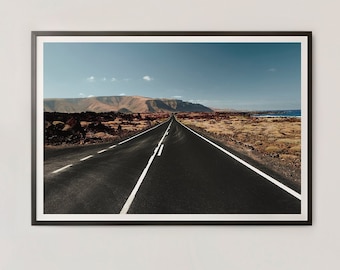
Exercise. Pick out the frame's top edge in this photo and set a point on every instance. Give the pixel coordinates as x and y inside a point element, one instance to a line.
<point>171,33</point>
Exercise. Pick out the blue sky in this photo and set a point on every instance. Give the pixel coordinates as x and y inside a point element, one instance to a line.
<point>243,76</point>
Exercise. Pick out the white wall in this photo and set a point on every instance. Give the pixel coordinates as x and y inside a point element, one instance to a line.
<point>166,247</point>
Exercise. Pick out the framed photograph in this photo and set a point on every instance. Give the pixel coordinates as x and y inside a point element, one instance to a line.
<point>198,128</point>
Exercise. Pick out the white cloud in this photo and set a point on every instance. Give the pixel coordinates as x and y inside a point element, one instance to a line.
<point>178,97</point>
<point>90,96</point>
<point>113,79</point>
<point>147,78</point>
<point>272,70</point>
<point>203,101</point>
<point>90,79</point>
<point>127,79</point>
<point>122,94</point>
<point>104,79</point>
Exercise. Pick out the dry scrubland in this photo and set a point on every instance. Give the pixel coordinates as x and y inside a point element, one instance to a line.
<point>273,142</point>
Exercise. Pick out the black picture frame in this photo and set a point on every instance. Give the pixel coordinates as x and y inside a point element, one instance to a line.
<point>39,217</point>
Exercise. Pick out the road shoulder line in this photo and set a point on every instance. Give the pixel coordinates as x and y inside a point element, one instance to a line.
<point>139,134</point>
<point>264,175</point>
<point>112,146</point>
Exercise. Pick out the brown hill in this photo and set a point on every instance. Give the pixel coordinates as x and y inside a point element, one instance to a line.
<point>125,104</point>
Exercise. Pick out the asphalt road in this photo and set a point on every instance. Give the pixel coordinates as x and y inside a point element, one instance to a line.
<point>166,170</point>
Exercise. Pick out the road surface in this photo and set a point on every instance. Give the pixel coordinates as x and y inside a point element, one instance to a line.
<point>168,169</point>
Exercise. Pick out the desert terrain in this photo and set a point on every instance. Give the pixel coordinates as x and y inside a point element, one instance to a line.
<point>274,142</point>
<point>69,129</point>
<point>80,121</point>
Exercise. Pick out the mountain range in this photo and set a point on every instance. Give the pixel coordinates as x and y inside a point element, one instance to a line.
<point>124,104</point>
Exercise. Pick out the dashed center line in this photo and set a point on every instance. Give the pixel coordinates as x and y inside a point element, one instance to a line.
<point>110,147</point>
<point>130,199</point>
<point>160,150</point>
<point>63,168</point>
<point>85,158</point>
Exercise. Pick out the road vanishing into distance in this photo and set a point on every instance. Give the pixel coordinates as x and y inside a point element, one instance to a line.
<point>168,169</point>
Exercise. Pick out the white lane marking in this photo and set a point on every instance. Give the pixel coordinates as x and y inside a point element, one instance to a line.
<point>85,158</point>
<point>141,133</point>
<point>160,150</point>
<point>266,176</point>
<point>63,168</point>
<point>130,199</point>
<point>112,146</point>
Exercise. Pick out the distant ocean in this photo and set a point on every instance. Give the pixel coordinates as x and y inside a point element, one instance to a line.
<point>278,113</point>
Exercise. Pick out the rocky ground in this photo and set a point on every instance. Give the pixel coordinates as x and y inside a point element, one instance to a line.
<point>63,129</point>
<point>272,142</point>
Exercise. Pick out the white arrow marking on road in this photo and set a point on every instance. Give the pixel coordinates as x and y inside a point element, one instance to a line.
<point>63,168</point>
